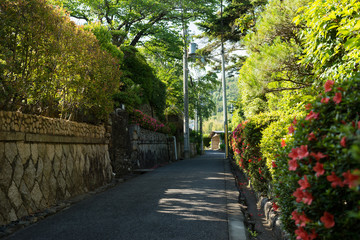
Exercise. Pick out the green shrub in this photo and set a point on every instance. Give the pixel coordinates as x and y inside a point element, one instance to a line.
<point>317,174</point>
<point>274,137</point>
<point>207,141</point>
<point>49,66</point>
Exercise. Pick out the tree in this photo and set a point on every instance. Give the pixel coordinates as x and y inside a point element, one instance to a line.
<point>271,74</point>
<point>131,20</point>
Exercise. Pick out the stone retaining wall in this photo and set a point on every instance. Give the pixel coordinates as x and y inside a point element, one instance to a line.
<point>44,161</point>
<point>133,147</point>
<point>150,149</point>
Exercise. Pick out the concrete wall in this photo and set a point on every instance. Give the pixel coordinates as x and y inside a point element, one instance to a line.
<point>44,161</point>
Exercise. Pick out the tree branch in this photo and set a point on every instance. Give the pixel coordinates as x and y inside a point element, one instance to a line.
<point>267,90</point>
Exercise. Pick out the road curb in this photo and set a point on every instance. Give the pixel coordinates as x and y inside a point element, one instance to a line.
<point>236,225</point>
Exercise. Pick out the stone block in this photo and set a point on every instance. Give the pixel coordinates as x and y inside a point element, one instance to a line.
<point>5,205</point>
<point>47,167</point>
<point>36,195</point>
<point>11,151</point>
<point>24,151</point>
<point>26,196</point>
<point>58,150</point>
<point>18,172</point>
<point>45,188</point>
<point>50,151</point>
<point>12,215</point>
<point>70,164</point>
<point>56,165</point>
<point>39,169</point>
<point>22,212</point>
<point>61,183</point>
<point>6,172</point>
<point>2,151</point>
<point>41,150</point>
<point>34,152</point>
<point>14,195</point>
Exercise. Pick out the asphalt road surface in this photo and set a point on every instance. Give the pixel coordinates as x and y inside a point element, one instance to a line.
<point>184,200</point>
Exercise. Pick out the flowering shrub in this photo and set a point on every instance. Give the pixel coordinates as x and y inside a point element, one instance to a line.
<point>317,175</point>
<point>145,121</point>
<point>245,144</point>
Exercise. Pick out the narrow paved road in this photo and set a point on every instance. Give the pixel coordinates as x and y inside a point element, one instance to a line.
<point>184,200</point>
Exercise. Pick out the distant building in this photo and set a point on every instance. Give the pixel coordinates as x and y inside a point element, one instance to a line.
<point>216,139</point>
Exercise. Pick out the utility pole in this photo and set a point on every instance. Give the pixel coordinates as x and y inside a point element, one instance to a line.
<point>186,94</point>
<point>224,85</point>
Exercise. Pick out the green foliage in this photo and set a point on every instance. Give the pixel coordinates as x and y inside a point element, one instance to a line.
<point>271,70</point>
<point>206,140</point>
<point>138,71</point>
<point>51,67</point>
<point>331,34</point>
<point>239,17</point>
<point>273,135</point>
<point>131,21</point>
<point>200,90</point>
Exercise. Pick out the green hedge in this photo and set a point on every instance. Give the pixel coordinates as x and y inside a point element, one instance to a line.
<point>52,67</point>
<point>245,142</point>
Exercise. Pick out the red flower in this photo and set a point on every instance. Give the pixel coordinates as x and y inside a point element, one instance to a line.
<point>273,164</point>
<point>308,198</point>
<point>311,136</point>
<point>304,184</point>
<point>308,106</point>
<point>312,115</point>
<point>300,218</point>
<point>337,98</point>
<point>328,220</point>
<point>291,129</point>
<point>335,180</point>
<point>295,122</point>
<point>328,85</point>
<point>303,151</point>
<point>343,142</point>
<point>299,194</point>
<point>319,169</point>
<point>260,171</point>
<point>275,206</point>
<point>304,220</point>
<point>283,143</point>
<point>325,100</point>
<point>293,165</point>
<point>294,154</point>
<point>318,155</point>
<point>303,235</point>
<point>350,179</point>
